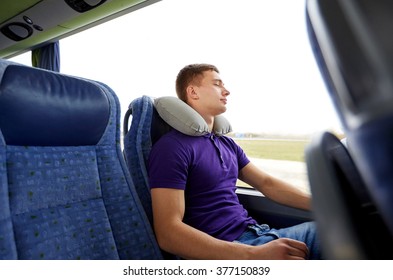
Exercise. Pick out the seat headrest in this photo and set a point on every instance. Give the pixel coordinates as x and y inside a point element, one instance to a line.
<point>44,108</point>
<point>185,119</point>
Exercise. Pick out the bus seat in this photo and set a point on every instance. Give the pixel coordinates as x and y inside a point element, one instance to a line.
<point>354,50</point>
<point>348,221</point>
<point>143,131</point>
<point>65,191</point>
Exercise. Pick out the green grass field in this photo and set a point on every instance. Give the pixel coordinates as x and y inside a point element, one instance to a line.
<point>292,150</point>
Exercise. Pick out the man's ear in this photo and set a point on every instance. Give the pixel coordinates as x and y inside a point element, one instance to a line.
<point>191,93</point>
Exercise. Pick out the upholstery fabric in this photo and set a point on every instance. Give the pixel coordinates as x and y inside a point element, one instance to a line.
<point>70,201</point>
<point>137,146</point>
<point>7,241</point>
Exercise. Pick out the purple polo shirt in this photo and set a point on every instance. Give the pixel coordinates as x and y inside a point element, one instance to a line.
<point>206,168</point>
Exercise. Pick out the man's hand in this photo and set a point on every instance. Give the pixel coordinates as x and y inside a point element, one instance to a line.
<point>281,249</point>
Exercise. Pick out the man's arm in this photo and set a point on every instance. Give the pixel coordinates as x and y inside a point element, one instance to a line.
<point>274,188</point>
<point>180,239</point>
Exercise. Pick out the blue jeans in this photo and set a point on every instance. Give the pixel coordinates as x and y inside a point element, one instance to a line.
<point>305,232</point>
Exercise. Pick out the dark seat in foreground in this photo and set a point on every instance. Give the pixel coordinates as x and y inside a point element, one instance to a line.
<point>353,46</point>
<point>65,192</point>
<point>349,223</point>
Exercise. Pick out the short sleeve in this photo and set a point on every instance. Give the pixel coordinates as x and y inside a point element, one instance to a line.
<point>168,164</point>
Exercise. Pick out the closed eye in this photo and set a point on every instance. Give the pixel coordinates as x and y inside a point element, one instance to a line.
<point>218,83</point>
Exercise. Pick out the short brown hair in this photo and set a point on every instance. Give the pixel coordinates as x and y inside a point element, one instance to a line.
<point>189,74</point>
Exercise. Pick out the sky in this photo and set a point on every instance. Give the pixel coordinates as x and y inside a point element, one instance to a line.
<point>260,47</point>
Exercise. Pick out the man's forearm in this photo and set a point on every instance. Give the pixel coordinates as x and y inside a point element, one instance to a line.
<point>190,243</point>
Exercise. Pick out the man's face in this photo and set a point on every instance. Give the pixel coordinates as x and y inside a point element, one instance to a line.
<point>212,94</point>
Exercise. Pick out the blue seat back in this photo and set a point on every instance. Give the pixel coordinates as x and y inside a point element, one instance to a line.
<point>65,192</point>
<point>145,129</point>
